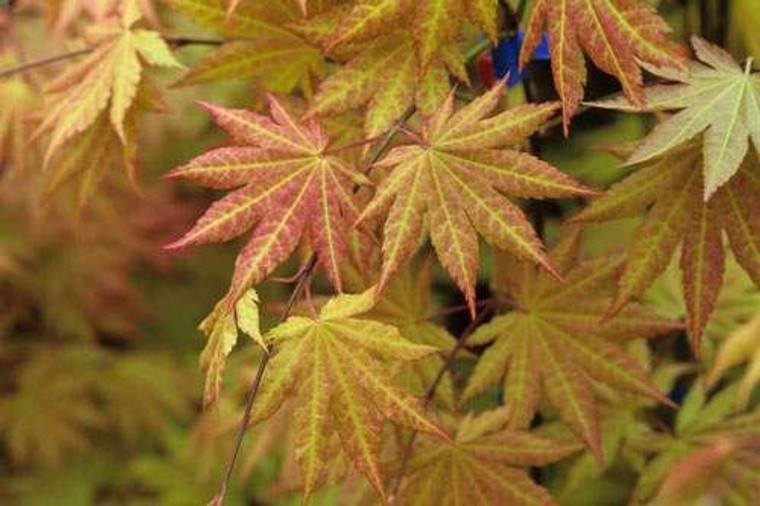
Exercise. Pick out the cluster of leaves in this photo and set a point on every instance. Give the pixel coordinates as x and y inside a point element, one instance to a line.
<point>362,163</point>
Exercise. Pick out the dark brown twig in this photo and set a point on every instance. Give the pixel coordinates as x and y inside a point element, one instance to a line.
<point>448,365</point>
<point>304,276</point>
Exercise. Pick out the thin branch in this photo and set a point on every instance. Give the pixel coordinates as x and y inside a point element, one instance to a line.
<point>448,365</point>
<point>48,60</point>
<point>191,41</point>
<point>303,277</point>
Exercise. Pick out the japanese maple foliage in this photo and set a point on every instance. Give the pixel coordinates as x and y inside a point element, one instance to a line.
<point>428,305</point>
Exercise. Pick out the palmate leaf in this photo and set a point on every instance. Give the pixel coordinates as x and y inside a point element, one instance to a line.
<point>433,23</point>
<point>106,79</point>
<point>455,175</point>
<point>335,365</point>
<point>482,466</point>
<point>616,35</point>
<point>672,186</point>
<point>712,454</point>
<point>288,186</point>
<point>553,344</point>
<point>717,97</point>
<point>393,69</point>
<point>261,45</point>
<point>385,77</point>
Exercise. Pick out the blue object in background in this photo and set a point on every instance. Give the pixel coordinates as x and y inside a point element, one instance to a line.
<point>506,57</point>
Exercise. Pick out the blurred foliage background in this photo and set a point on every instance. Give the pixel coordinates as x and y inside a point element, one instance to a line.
<point>100,388</point>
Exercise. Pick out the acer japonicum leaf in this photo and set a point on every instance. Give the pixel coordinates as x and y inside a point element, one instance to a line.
<point>261,45</point>
<point>285,185</point>
<point>484,465</point>
<point>336,367</point>
<point>616,34</point>
<point>717,97</point>
<point>554,344</point>
<point>455,175</point>
<point>670,188</point>
<point>108,78</point>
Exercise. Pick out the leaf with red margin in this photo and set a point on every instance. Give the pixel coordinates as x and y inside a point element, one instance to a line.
<point>615,34</point>
<point>456,174</point>
<point>287,186</point>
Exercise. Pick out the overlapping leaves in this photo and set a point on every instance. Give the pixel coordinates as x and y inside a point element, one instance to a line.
<point>455,175</point>
<point>393,69</point>
<point>335,365</point>
<point>482,466</point>
<point>554,346</point>
<point>717,97</point>
<point>288,185</point>
<point>259,45</point>
<point>672,186</point>
<point>107,78</point>
<point>712,454</point>
<point>616,35</point>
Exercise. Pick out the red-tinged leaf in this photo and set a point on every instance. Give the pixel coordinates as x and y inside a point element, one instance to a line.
<point>368,20</point>
<point>261,44</point>
<point>478,468</point>
<point>553,345</point>
<point>570,394</point>
<point>741,218</point>
<point>634,194</point>
<point>433,27</point>
<point>385,77</point>
<point>614,33</point>
<point>702,263</point>
<point>673,184</point>
<point>109,77</point>
<point>659,237</point>
<point>290,187</point>
<point>443,178</point>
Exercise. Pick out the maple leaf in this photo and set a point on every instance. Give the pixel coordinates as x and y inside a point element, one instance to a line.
<point>108,77</point>
<point>289,184</point>
<point>481,465</point>
<point>455,175</point>
<point>400,87</point>
<point>553,344</point>
<point>335,366</point>
<point>672,186</point>
<point>221,330</point>
<point>616,35</point>
<point>712,453</point>
<point>66,13</point>
<point>260,45</point>
<point>433,23</point>
<point>717,97</point>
